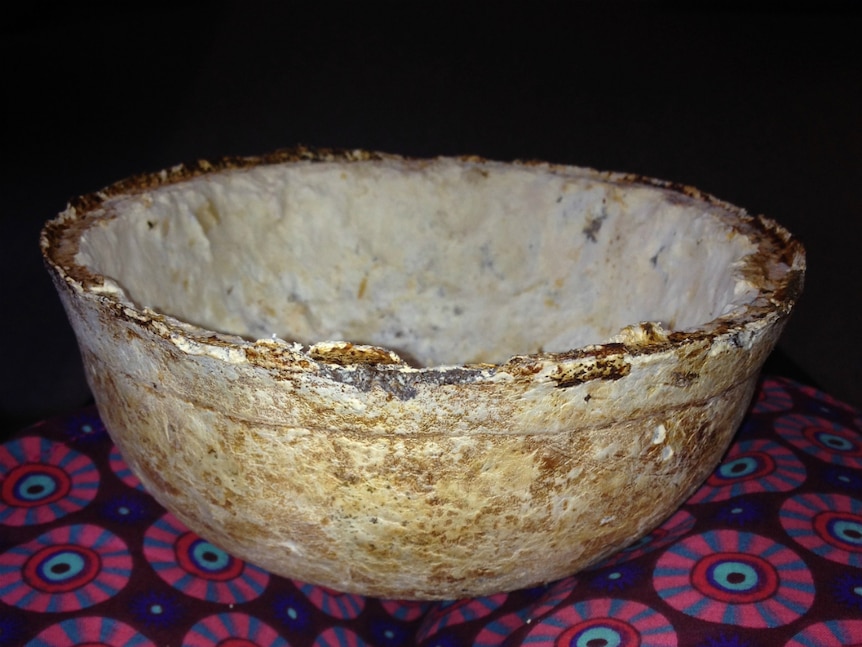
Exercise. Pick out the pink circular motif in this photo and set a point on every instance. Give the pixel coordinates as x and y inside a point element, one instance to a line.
<point>772,397</point>
<point>825,398</point>
<point>829,525</point>
<point>65,569</point>
<point>835,633</point>
<point>123,471</point>
<point>823,439</point>
<point>405,610</point>
<point>344,606</point>
<point>501,629</point>
<point>667,533</point>
<point>198,568</point>
<point>90,632</point>
<point>41,481</point>
<point>455,612</point>
<point>604,621</point>
<point>494,633</point>
<point>552,597</point>
<point>339,637</point>
<point>233,630</point>
<point>752,466</point>
<point>734,578</point>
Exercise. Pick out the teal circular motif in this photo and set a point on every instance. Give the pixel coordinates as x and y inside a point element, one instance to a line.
<point>603,636</point>
<point>848,530</point>
<point>209,557</point>
<point>735,576</point>
<point>835,442</point>
<point>63,566</point>
<point>36,487</point>
<point>739,468</point>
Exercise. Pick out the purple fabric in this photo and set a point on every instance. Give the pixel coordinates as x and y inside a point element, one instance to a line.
<point>768,552</point>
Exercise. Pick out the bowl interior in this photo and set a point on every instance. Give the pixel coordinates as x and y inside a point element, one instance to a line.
<point>447,262</point>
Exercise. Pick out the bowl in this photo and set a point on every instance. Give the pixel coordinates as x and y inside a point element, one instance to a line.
<point>423,379</point>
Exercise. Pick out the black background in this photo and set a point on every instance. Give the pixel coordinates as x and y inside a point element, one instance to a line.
<point>762,108</point>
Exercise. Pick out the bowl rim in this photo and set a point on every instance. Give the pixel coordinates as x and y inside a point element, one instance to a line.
<point>777,292</point>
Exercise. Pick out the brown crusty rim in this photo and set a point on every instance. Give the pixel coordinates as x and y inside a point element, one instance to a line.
<point>775,246</point>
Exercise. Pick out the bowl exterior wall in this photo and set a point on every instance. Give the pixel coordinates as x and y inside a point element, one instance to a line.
<point>425,515</point>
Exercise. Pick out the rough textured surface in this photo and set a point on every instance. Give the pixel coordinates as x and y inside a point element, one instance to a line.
<point>342,465</point>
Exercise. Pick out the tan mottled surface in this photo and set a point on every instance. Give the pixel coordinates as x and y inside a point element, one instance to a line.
<point>539,425</point>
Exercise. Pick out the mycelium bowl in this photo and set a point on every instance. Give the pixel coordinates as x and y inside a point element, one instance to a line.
<point>421,379</point>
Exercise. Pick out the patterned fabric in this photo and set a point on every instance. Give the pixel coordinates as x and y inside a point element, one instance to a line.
<point>768,552</point>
